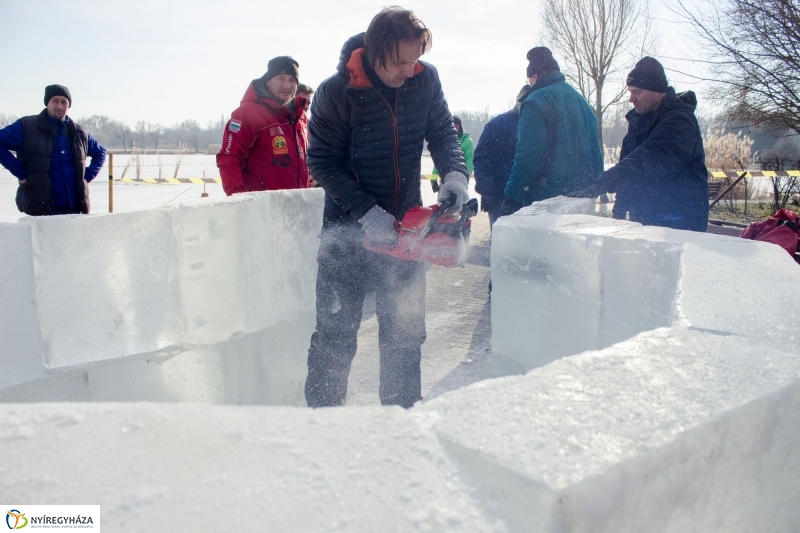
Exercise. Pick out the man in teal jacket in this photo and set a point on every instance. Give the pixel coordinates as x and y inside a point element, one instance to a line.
<point>558,150</point>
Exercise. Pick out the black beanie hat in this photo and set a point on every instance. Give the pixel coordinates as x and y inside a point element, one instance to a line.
<point>648,74</point>
<point>282,65</point>
<point>540,59</point>
<point>56,90</point>
<point>457,120</point>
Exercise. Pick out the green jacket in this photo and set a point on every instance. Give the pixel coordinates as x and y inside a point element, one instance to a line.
<point>558,150</point>
<point>468,147</point>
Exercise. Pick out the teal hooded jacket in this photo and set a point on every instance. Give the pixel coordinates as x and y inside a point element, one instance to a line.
<point>558,149</point>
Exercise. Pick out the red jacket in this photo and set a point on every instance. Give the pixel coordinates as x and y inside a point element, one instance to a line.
<point>264,145</point>
<point>782,229</point>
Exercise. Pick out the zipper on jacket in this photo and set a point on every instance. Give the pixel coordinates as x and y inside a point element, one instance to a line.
<point>293,122</point>
<point>393,112</point>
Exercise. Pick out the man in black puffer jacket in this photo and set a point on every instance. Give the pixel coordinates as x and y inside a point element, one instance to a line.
<point>661,178</point>
<point>368,125</point>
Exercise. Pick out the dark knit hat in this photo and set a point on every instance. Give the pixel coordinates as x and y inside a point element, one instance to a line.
<point>540,59</point>
<point>457,120</point>
<point>56,90</point>
<point>282,65</point>
<point>648,74</point>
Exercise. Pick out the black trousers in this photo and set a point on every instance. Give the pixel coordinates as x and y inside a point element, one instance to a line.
<point>347,272</point>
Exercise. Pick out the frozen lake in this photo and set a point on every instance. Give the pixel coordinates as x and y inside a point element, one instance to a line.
<point>134,197</point>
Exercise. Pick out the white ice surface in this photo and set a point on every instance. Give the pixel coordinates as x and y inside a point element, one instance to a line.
<point>21,350</point>
<point>106,285</point>
<point>200,468</point>
<point>564,284</point>
<point>670,431</point>
<point>202,302</point>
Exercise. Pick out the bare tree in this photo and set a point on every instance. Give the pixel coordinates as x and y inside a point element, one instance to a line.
<point>782,156</point>
<point>141,133</point>
<point>753,48</point>
<point>5,120</point>
<point>598,39</point>
<point>124,133</point>
<point>190,131</point>
<point>156,134</point>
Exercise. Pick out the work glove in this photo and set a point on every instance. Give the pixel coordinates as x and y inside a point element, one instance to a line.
<point>510,207</point>
<point>379,227</point>
<point>455,184</point>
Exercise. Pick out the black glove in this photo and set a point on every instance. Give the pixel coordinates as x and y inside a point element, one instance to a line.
<point>510,207</point>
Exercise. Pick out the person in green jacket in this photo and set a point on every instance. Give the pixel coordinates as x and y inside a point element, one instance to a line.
<point>467,146</point>
<point>558,147</point>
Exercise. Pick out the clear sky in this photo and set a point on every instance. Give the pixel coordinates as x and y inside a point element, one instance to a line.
<point>165,61</point>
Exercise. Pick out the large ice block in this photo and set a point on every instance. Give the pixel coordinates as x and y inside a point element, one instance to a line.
<point>732,285</point>
<point>297,222</point>
<point>184,467</point>
<point>106,285</point>
<point>639,281</point>
<point>671,431</point>
<point>112,286</point>
<point>269,367</point>
<point>189,375</point>
<point>225,258</point>
<point>21,349</point>
<point>546,286</point>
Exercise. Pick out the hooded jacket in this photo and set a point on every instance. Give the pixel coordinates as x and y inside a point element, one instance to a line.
<point>264,144</point>
<point>661,178</point>
<point>366,139</point>
<point>558,150</point>
<point>468,149</point>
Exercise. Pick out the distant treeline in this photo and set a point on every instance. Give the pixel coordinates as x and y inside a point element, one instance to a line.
<point>188,135</point>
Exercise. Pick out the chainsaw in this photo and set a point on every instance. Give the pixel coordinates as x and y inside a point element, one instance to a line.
<point>428,234</point>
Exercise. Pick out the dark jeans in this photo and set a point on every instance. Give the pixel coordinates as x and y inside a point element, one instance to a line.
<point>346,273</point>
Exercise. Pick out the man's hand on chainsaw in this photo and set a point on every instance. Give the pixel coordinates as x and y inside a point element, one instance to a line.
<point>379,226</point>
<point>455,184</point>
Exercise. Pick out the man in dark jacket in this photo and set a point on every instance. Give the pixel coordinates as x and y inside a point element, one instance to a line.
<point>558,149</point>
<point>494,158</point>
<point>264,142</point>
<point>367,129</point>
<point>50,162</point>
<point>661,178</point>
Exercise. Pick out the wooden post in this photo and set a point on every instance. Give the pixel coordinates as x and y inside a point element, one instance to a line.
<point>110,183</point>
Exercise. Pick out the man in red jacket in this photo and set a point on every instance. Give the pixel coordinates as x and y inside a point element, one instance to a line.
<point>264,144</point>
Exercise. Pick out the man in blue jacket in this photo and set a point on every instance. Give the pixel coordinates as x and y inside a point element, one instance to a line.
<point>558,150</point>
<point>50,162</point>
<point>661,178</point>
<point>494,158</point>
<point>366,133</point>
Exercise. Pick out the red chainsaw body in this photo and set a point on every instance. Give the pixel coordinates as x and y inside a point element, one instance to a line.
<point>443,245</point>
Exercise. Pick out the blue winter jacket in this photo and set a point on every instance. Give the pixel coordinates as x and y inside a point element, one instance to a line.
<point>661,179</point>
<point>62,172</point>
<point>494,158</point>
<point>558,150</point>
